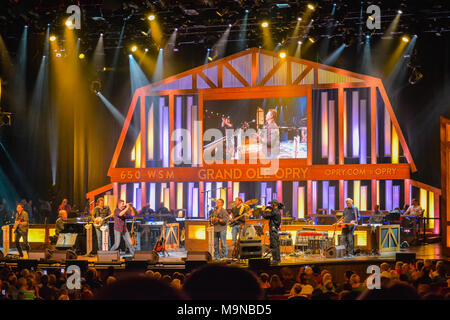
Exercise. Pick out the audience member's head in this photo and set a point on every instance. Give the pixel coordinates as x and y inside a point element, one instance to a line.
<point>213,282</point>
<point>138,288</point>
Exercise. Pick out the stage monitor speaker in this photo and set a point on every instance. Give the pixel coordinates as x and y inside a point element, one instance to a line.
<point>250,249</point>
<point>37,255</point>
<point>196,259</point>
<point>151,257</point>
<point>82,264</point>
<point>335,252</point>
<point>259,263</point>
<point>108,256</point>
<point>59,255</point>
<point>405,256</point>
<point>27,264</point>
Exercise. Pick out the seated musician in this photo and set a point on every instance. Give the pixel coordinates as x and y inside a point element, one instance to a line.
<point>377,216</point>
<point>59,225</point>
<point>415,210</point>
<point>162,209</point>
<point>239,210</point>
<point>271,137</point>
<point>413,214</point>
<point>350,218</point>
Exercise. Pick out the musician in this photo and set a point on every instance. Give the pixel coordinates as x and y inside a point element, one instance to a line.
<point>415,210</point>
<point>272,137</point>
<point>219,219</point>
<point>238,212</point>
<point>65,206</point>
<point>162,209</point>
<point>21,229</point>
<point>103,212</point>
<point>273,214</point>
<point>121,213</point>
<point>351,217</point>
<point>59,225</point>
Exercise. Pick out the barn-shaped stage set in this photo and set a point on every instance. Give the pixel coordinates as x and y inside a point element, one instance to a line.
<point>339,138</point>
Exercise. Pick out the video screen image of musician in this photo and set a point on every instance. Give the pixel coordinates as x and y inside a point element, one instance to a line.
<point>251,127</point>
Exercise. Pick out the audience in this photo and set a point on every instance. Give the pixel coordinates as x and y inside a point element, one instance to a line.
<point>426,280</point>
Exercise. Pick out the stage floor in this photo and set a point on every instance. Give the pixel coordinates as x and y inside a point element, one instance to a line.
<point>177,256</point>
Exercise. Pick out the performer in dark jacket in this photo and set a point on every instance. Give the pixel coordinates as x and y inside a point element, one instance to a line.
<point>273,214</point>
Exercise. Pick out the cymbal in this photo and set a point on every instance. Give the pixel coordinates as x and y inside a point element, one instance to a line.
<point>251,202</point>
<point>213,199</point>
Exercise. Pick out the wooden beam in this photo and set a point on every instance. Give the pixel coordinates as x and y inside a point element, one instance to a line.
<point>341,125</point>
<point>309,126</point>
<point>427,187</point>
<point>236,74</point>
<point>271,72</point>
<point>373,124</point>
<point>124,131</point>
<point>98,191</point>
<point>220,76</point>
<point>207,80</point>
<point>288,72</point>
<point>254,69</point>
<point>401,138</point>
<point>171,128</point>
<point>302,75</point>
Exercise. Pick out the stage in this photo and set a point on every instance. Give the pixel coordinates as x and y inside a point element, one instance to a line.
<point>176,259</point>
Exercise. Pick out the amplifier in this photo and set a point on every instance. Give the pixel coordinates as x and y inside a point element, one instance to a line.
<point>250,249</point>
<point>335,252</point>
<point>151,257</point>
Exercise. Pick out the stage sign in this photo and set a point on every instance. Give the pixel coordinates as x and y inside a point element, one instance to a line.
<point>285,172</point>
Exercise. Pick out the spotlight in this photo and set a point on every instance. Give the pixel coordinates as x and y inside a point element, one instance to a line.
<point>133,48</point>
<point>299,19</point>
<point>101,34</point>
<point>68,22</point>
<point>176,29</point>
<point>229,25</point>
<point>146,50</point>
<point>399,11</point>
<point>405,39</point>
<point>81,56</point>
<point>52,38</point>
<point>265,24</point>
<point>311,39</point>
<point>299,42</point>
<point>282,54</point>
<point>151,17</point>
<point>311,6</point>
<point>246,11</point>
<point>367,36</point>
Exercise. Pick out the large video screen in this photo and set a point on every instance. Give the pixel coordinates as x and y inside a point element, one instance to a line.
<point>255,128</point>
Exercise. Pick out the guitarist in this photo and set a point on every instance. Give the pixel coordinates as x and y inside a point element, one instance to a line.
<point>239,212</point>
<point>103,212</point>
<point>121,213</point>
<point>219,219</point>
<point>21,229</point>
<point>350,216</point>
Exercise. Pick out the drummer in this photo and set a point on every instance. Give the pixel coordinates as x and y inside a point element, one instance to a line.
<point>239,212</point>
